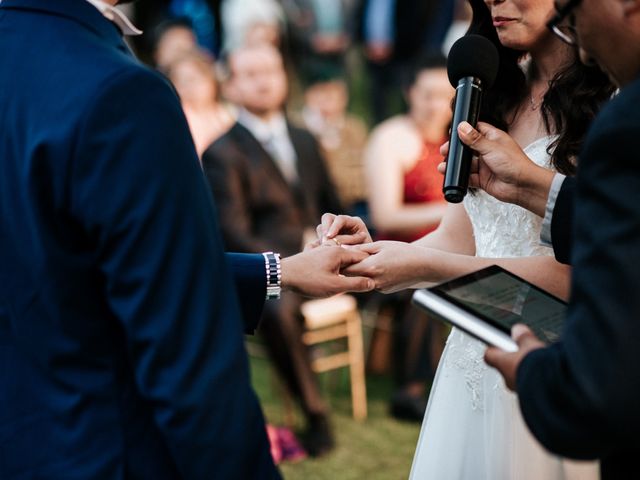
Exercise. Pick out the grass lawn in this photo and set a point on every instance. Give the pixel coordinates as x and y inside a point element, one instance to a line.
<point>379,448</point>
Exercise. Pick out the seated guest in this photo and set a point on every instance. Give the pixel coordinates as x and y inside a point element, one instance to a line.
<point>202,17</point>
<point>251,22</point>
<point>406,202</point>
<point>342,137</point>
<point>320,34</point>
<point>193,75</point>
<point>270,185</point>
<point>402,156</point>
<point>173,38</point>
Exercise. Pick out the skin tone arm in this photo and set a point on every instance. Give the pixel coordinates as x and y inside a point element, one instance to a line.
<point>504,171</point>
<point>454,233</point>
<point>391,152</point>
<point>396,265</point>
<point>446,253</point>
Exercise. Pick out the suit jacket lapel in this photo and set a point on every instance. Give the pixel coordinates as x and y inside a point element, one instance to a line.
<point>300,154</point>
<point>257,154</point>
<point>304,190</point>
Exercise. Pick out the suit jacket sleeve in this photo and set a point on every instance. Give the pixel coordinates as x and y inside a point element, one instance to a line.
<point>139,192</point>
<point>249,274</point>
<point>579,397</point>
<point>562,221</point>
<point>227,174</point>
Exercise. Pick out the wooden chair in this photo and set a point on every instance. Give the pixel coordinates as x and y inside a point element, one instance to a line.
<point>331,319</point>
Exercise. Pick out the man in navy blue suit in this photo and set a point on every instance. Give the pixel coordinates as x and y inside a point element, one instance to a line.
<point>580,396</point>
<point>121,349</point>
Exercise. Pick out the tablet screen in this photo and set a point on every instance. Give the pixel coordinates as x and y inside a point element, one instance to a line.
<point>503,299</point>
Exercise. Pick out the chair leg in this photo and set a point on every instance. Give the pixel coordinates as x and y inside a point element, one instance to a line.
<point>356,367</point>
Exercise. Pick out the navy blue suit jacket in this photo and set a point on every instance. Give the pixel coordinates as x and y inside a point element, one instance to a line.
<point>562,221</point>
<point>121,348</point>
<point>580,397</point>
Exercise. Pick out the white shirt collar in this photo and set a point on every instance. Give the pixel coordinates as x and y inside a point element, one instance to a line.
<point>263,130</point>
<point>116,16</point>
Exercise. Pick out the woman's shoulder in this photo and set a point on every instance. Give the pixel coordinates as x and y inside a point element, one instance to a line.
<point>396,129</point>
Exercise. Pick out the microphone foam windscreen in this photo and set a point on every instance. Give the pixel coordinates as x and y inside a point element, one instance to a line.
<point>473,56</point>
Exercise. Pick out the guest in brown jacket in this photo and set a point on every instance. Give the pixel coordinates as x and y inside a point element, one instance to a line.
<point>271,186</point>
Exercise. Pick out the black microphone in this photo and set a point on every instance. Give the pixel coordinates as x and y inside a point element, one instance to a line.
<point>472,66</point>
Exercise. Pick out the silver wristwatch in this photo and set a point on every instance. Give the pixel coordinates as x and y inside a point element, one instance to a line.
<point>274,275</point>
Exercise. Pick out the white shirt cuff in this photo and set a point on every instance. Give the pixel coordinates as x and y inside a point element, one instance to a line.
<point>545,232</point>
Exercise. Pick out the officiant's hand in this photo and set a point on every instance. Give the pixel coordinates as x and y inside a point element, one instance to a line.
<point>502,169</point>
<point>507,363</point>
<point>317,272</point>
<point>342,230</point>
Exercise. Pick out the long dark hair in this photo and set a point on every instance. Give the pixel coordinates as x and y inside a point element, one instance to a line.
<point>575,95</point>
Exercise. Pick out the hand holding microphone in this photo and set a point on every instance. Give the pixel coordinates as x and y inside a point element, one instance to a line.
<point>502,169</point>
<point>472,67</point>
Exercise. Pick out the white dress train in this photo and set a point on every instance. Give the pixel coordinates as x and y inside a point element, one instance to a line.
<point>473,429</point>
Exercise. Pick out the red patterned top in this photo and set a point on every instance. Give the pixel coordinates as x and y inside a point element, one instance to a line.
<point>422,184</point>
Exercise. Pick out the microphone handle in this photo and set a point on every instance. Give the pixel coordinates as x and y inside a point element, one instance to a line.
<point>467,108</point>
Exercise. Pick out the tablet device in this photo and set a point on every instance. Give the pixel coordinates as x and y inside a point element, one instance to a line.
<point>487,303</point>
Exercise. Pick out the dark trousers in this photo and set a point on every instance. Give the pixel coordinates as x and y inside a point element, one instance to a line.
<point>282,329</point>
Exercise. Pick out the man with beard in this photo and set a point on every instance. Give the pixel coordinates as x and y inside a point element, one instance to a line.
<point>580,395</point>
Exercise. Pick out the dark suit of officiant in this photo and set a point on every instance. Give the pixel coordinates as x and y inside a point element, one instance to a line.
<point>581,396</point>
<point>260,210</point>
<point>562,221</point>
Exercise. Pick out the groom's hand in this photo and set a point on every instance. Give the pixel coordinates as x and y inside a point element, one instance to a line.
<point>507,363</point>
<point>316,272</point>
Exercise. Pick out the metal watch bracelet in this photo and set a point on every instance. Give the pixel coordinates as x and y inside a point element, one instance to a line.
<point>274,275</point>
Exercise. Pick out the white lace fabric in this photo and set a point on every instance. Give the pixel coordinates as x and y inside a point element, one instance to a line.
<point>473,428</point>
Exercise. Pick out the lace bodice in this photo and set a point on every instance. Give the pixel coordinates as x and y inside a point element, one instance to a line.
<point>501,230</point>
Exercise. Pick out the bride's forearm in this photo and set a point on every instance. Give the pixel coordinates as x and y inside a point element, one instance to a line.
<point>544,272</point>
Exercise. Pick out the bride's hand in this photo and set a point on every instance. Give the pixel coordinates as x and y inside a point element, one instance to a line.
<point>342,230</point>
<point>392,265</point>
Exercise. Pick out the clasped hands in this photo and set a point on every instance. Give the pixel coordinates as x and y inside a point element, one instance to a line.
<point>392,266</point>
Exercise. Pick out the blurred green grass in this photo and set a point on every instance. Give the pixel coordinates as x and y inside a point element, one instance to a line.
<point>378,448</point>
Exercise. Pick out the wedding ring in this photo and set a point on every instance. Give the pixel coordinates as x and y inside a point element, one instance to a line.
<point>337,242</point>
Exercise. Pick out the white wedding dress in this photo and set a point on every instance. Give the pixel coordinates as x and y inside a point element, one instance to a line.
<point>473,429</point>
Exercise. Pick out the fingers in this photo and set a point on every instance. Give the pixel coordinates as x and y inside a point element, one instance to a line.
<point>481,140</point>
<point>442,166</point>
<point>495,357</point>
<point>354,284</point>
<point>474,181</point>
<point>444,149</point>
<point>320,233</point>
<point>353,230</point>
<point>325,225</point>
<point>338,224</point>
<point>519,331</point>
<point>360,269</point>
<point>525,338</point>
<point>470,136</point>
<point>312,245</point>
<point>355,239</point>
<point>349,256</point>
<point>368,248</point>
